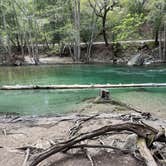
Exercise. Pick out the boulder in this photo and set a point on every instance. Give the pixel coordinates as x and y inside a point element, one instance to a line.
<point>131,142</point>
<point>137,60</point>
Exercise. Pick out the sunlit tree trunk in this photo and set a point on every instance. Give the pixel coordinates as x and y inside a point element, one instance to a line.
<point>19,36</point>
<point>89,48</point>
<point>77,49</point>
<point>8,44</point>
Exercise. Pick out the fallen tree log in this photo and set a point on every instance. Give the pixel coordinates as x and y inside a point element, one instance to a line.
<point>142,130</point>
<point>95,86</point>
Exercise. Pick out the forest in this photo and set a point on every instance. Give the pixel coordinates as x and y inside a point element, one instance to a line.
<point>29,27</point>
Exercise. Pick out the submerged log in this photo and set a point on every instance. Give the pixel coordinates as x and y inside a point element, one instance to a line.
<point>95,86</point>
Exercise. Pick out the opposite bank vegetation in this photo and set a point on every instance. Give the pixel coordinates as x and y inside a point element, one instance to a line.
<point>25,27</point>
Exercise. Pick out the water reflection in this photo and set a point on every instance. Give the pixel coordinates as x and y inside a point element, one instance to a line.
<point>80,74</point>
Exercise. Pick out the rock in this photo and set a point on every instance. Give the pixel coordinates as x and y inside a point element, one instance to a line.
<point>153,62</point>
<point>131,142</point>
<point>18,63</point>
<point>137,60</point>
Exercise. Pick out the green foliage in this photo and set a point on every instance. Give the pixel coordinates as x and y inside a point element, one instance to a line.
<point>129,26</point>
<point>53,51</point>
<point>156,13</point>
<point>51,21</point>
<point>135,6</point>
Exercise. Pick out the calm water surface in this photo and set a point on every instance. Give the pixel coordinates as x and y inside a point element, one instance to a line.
<point>43,102</point>
<point>80,74</point>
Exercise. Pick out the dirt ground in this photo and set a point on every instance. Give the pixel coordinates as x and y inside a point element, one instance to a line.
<point>50,60</point>
<point>41,132</point>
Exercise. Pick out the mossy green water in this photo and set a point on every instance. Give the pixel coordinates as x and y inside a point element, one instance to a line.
<point>42,102</point>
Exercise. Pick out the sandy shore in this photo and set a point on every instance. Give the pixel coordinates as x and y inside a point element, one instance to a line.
<point>44,60</point>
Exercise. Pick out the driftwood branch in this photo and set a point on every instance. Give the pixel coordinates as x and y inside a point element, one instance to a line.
<point>89,157</point>
<point>145,152</point>
<point>26,157</point>
<point>100,146</point>
<point>142,130</point>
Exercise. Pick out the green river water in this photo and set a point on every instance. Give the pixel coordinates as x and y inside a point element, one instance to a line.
<point>44,102</point>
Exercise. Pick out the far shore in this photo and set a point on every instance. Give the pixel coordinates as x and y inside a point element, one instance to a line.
<point>56,60</point>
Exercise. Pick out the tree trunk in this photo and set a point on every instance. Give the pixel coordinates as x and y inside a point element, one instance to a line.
<point>156,37</point>
<point>77,49</point>
<point>89,48</point>
<point>164,48</point>
<point>160,46</point>
<point>8,47</point>
<point>104,29</point>
<point>46,41</point>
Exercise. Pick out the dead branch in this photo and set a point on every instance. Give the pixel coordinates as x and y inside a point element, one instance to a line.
<point>145,152</point>
<point>89,157</point>
<point>148,133</point>
<point>26,157</point>
<point>4,132</point>
<point>100,146</point>
<point>78,125</point>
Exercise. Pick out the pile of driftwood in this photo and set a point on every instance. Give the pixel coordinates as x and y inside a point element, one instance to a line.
<point>146,137</point>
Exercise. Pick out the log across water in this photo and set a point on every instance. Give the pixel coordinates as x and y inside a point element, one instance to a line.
<point>75,86</point>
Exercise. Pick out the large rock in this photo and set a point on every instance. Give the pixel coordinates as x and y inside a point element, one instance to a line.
<point>137,60</point>
<point>131,142</point>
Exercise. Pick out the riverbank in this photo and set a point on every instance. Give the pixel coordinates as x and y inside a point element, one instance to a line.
<point>17,133</point>
<point>119,53</point>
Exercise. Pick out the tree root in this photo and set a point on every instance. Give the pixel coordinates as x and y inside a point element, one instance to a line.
<point>144,131</point>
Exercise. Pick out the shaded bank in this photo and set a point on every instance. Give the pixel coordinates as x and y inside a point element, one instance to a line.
<point>114,53</point>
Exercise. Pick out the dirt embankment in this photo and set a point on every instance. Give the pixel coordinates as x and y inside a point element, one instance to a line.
<point>121,53</point>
